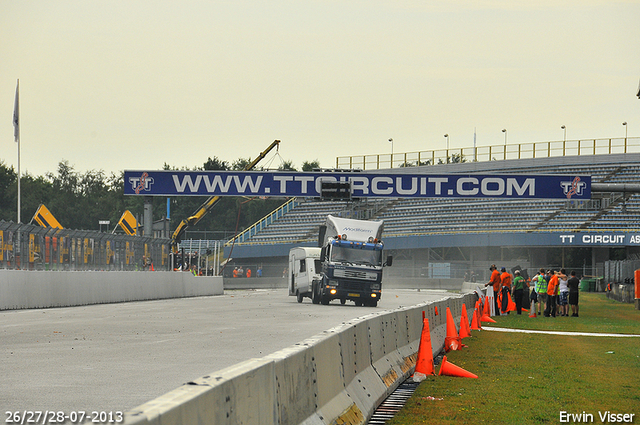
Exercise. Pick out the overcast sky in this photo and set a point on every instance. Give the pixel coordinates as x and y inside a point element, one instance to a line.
<point>129,85</point>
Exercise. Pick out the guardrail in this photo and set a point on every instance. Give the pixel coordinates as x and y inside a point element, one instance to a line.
<point>491,153</point>
<point>339,376</point>
<point>29,247</point>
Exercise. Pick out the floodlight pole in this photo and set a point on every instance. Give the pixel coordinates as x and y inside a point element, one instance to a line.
<point>16,134</point>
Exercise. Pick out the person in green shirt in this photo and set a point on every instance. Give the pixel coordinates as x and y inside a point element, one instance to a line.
<point>518,290</point>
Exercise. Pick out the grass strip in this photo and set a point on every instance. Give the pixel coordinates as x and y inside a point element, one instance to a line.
<point>532,378</point>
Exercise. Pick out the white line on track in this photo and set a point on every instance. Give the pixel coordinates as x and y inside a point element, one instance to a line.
<point>527,331</point>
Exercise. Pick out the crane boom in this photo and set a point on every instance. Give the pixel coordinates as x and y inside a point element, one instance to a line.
<point>211,202</point>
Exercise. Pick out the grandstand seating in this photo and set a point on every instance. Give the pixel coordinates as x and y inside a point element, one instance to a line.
<point>446,215</point>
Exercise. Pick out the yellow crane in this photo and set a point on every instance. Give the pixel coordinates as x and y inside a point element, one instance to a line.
<point>211,202</point>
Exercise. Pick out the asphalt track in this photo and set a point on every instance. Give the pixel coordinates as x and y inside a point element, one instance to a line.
<point>114,357</point>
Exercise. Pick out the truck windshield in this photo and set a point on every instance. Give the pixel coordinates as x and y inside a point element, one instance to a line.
<point>356,256</point>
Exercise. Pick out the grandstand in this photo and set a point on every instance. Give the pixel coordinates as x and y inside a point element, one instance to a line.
<point>473,232</point>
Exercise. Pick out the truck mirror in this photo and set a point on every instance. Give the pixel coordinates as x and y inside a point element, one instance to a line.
<point>389,261</point>
<point>323,253</point>
<point>321,234</point>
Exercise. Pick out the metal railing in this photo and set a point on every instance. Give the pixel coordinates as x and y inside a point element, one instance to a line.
<point>29,247</point>
<point>491,153</point>
<point>265,221</point>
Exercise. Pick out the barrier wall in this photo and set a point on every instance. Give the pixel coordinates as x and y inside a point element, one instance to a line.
<point>20,289</point>
<point>338,376</point>
<point>387,283</point>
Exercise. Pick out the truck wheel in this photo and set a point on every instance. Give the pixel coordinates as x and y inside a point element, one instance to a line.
<point>315,298</point>
<point>373,302</point>
<point>358,303</point>
<point>298,296</point>
<point>325,300</point>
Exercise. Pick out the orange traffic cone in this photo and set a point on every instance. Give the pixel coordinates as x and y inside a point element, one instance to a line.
<point>511,305</point>
<point>475,322</point>
<point>465,331</point>
<point>449,369</point>
<point>487,310</point>
<point>436,310</point>
<point>486,316</point>
<point>533,310</point>
<point>452,340</point>
<point>424,364</point>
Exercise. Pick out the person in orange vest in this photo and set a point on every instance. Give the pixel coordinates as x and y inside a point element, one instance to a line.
<point>552,288</point>
<point>235,272</point>
<point>505,279</point>
<point>495,281</point>
<point>248,272</point>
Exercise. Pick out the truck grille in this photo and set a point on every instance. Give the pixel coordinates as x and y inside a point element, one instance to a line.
<point>354,274</point>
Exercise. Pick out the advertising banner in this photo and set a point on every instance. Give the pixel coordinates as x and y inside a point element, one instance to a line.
<point>302,184</point>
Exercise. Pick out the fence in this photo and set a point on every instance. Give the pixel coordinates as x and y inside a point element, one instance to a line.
<point>492,153</point>
<point>619,279</point>
<point>205,255</point>
<point>29,247</point>
<point>621,271</point>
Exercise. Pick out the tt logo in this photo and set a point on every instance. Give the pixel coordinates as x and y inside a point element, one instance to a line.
<point>574,187</point>
<point>141,183</point>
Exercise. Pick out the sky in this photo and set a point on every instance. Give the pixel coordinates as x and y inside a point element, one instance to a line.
<point>132,85</point>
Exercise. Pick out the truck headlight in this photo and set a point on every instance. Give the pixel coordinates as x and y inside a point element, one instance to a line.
<point>375,286</point>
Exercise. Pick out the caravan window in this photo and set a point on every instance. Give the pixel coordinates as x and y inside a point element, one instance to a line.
<point>303,265</point>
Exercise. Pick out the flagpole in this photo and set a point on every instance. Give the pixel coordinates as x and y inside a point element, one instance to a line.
<point>16,134</point>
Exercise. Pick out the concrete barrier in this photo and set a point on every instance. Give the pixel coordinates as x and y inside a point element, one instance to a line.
<point>398,282</point>
<point>21,289</point>
<point>338,376</point>
<point>254,283</point>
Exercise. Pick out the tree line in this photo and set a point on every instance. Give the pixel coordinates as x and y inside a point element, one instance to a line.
<point>80,200</point>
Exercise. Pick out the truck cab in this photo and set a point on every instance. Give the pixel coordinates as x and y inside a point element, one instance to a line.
<point>352,270</point>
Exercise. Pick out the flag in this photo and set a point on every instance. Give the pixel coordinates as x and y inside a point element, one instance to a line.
<point>16,114</point>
